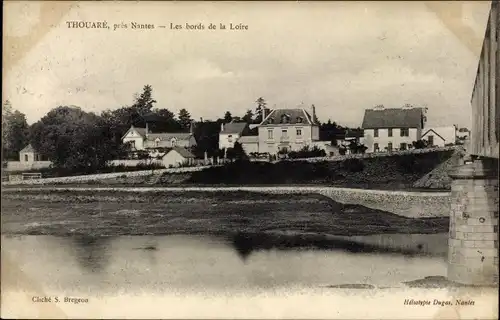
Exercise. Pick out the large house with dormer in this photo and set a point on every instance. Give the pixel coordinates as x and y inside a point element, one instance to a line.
<point>143,139</point>
<point>286,130</point>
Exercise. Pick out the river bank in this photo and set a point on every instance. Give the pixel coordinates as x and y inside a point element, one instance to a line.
<point>110,213</point>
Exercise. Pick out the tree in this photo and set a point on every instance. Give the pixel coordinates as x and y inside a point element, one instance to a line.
<point>184,119</point>
<point>228,117</point>
<point>239,152</point>
<point>145,102</point>
<point>261,107</point>
<point>15,132</point>
<point>73,139</point>
<point>248,117</point>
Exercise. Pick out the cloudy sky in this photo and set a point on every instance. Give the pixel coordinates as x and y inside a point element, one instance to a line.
<point>343,57</point>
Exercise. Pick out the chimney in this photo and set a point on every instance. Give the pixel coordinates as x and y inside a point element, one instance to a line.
<point>147,129</point>
<point>222,126</point>
<point>201,119</point>
<point>313,113</point>
<point>191,127</point>
<point>263,113</point>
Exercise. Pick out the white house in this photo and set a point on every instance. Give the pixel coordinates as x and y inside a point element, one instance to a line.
<point>392,128</point>
<point>178,156</point>
<point>231,133</point>
<point>143,139</point>
<point>440,136</point>
<point>287,129</point>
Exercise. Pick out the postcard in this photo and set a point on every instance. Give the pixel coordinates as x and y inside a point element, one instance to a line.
<point>250,160</point>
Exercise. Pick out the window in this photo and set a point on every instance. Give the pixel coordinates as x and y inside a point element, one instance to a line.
<point>375,147</point>
<point>270,134</point>
<point>173,142</point>
<point>431,140</point>
<point>299,120</point>
<point>230,138</point>
<point>405,132</point>
<point>157,143</point>
<point>389,146</point>
<point>284,133</point>
<point>402,146</point>
<point>284,119</point>
<point>132,144</point>
<point>389,132</point>
<point>26,157</point>
<point>271,120</point>
<point>375,133</point>
<point>299,132</point>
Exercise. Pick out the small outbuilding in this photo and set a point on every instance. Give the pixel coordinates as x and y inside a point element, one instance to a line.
<point>177,157</point>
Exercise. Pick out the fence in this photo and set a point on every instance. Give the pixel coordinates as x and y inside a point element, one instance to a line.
<point>25,166</point>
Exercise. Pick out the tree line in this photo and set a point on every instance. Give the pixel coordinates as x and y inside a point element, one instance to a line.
<point>73,138</point>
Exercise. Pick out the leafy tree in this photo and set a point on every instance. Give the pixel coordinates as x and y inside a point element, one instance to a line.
<point>73,139</point>
<point>248,117</point>
<point>184,119</point>
<point>228,117</point>
<point>15,132</point>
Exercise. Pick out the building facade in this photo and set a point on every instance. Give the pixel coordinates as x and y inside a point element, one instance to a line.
<point>230,133</point>
<point>390,129</point>
<point>287,130</point>
<point>142,139</point>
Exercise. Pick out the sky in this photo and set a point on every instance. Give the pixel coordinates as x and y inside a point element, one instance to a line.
<point>343,57</point>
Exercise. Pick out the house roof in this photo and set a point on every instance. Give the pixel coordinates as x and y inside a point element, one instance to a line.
<point>185,153</point>
<point>292,116</point>
<point>28,148</point>
<point>161,135</point>
<point>393,118</point>
<point>141,131</point>
<point>169,136</point>
<point>234,127</point>
<point>432,130</point>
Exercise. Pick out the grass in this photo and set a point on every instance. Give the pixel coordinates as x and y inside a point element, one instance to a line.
<point>219,213</point>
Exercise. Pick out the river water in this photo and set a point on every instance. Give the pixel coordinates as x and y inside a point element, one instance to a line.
<point>131,276</point>
<point>163,263</point>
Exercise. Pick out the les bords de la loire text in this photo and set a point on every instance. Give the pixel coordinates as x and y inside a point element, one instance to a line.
<point>148,26</point>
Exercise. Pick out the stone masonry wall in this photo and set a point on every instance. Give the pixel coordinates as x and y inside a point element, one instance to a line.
<point>473,241</point>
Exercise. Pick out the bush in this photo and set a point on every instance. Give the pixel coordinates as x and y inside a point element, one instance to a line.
<point>420,144</point>
<point>307,152</point>
<point>353,165</point>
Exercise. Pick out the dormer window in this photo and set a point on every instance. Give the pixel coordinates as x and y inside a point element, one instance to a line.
<point>173,142</point>
<point>285,118</point>
<point>271,120</point>
<point>300,120</point>
<point>157,142</point>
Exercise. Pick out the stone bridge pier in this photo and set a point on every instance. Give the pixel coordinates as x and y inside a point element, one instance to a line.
<point>473,238</point>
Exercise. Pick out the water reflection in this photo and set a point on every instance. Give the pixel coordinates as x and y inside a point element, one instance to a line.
<point>406,245</point>
<point>242,262</point>
<point>91,252</point>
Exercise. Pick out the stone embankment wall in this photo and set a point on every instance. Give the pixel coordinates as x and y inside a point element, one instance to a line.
<point>104,176</point>
<point>377,154</point>
<point>408,204</point>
